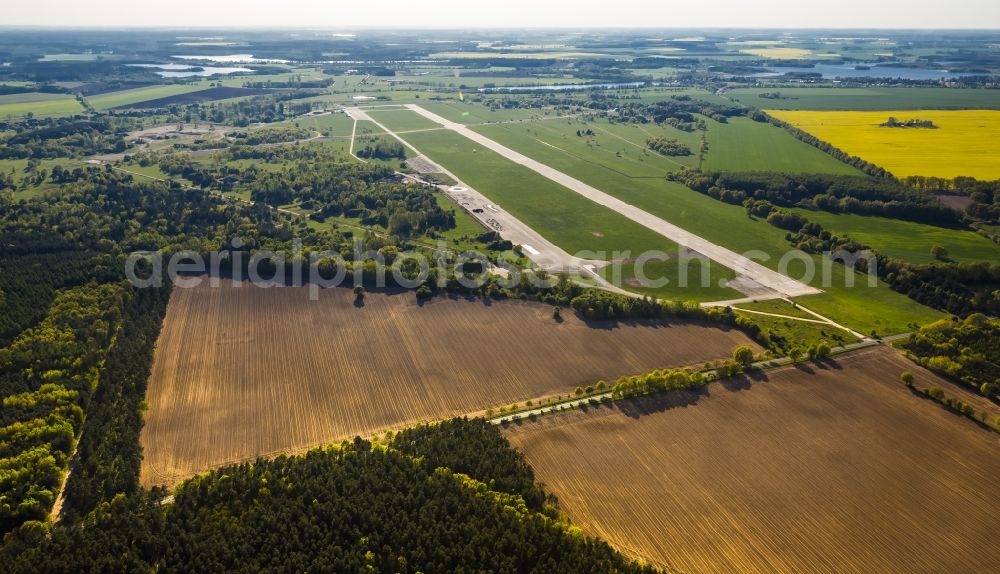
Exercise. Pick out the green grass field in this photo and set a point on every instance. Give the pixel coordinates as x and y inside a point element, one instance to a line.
<point>616,148</point>
<point>869,98</point>
<point>367,128</point>
<point>635,135</point>
<point>745,145</point>
<point>702,280</point>
<point>16,167</point>
<point>38,103</point>
<point>399,120</point>
<point>800,333</point>
<point>907,240</point>
<point>860,307</point>
<point>333,124</point>
<point>465,225</point>
<point>562,216</point>
<point>778,306</point>
<point>125,97</point>
<point>473,113</point>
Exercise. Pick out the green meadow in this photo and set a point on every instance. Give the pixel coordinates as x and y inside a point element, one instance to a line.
<point>472,113</point>
<point>332,124</point>
<point>39,104</point>
<point>742,144</point>
<point>402,119</point>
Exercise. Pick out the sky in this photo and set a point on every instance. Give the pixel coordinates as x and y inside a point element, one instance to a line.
<point>979,14</point>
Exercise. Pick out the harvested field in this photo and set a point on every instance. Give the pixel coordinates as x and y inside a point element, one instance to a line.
<point>832,468</point>
<point>245,372</point>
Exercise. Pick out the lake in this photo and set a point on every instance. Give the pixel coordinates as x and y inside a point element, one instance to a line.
<point>188,71</point>
<point>566,87</point>
<point>829,71</point>
<point>234,59</point>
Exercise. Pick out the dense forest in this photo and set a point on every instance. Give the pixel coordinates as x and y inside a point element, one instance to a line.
<point>108,453</point>
<point>265,107</point>
<point>370,193</point>
<point>66,137</point>
<point>269,135</point>
<point>453,497</point>
<point>47,377</point>
<point>968,351</point>
<point>78,338</point>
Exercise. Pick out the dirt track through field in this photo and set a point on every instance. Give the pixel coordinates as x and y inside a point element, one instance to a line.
<point>242,372</point>
<point>838,470</point>
<point>754,271</point>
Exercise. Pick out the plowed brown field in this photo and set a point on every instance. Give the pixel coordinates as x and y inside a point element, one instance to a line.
<point>840,469</point>
<point>245,372</point>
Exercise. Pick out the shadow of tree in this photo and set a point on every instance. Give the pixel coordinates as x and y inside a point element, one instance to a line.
<point>828,363</point>
<point>660,402</point>
<point>805,368</point>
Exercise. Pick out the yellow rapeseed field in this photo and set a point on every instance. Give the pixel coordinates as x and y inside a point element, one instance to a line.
<point>964,142</point>
<point>778,52</point>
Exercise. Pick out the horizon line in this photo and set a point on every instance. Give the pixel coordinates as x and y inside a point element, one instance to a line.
<point>471,28</point>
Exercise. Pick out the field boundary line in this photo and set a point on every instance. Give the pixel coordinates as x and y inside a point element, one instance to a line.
<point>607,396</point>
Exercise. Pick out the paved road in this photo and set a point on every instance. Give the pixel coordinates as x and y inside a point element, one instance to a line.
<point>752,270</point>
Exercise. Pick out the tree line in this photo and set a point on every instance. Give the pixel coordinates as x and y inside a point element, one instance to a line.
<point>826,192</point>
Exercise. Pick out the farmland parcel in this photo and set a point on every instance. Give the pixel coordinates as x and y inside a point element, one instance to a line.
<point>250,371</point>
<point>872,478</point>
<point>962,143</point>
